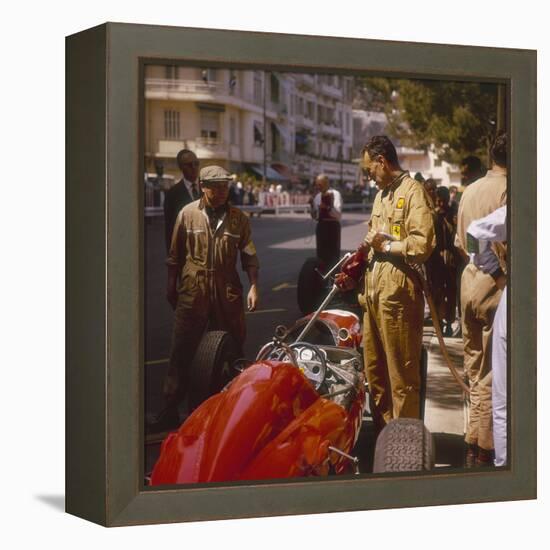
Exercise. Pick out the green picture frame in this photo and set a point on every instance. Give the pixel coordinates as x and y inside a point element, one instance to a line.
<point>104,273</point>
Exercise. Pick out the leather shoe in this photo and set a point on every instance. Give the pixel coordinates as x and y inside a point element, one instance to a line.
<point>485,458</point>
<point>470,460</point>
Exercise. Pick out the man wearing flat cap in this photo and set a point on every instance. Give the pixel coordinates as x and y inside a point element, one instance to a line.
<point>203,284</point>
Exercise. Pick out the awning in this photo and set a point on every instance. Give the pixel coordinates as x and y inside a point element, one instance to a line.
<point>282,130</point>
<point>286,172</point>
<point>270,173</point>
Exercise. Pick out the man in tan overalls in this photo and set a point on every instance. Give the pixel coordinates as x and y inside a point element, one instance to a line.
<point>203,284</point>
<point>401,233</point>
<point>480,295</point>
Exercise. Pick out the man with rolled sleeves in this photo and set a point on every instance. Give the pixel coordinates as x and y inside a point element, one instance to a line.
<point>480,296</point>
<point>203,284</point>
<point>401,233</point>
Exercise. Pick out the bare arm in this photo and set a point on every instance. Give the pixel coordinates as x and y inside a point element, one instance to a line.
<point>253,295</point>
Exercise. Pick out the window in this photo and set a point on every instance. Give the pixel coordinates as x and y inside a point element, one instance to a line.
<point>233,131</point>
<point>232,82</point>
<point>301,142</point>
<point>258,133</point>
<point>347,123</point>
<point>348,91</point>
<point>171,72</point>
<point>310,110</point>
<point>258,95</point>
<point>171,124</point>
<point>209,75</point>
<point>274,81</point>
<point>210,124</point>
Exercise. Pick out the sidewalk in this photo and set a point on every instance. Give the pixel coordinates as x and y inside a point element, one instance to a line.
<point>444,415</point>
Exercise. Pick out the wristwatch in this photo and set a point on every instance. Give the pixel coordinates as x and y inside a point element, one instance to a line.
<point>387,247</point>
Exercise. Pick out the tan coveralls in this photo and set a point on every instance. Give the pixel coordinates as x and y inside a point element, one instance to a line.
<point>479,297</point>
<point>394,303</point>
<point>210,292</point>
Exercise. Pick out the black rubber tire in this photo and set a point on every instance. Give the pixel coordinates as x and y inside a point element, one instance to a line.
<point>311,287</point>
<point>211,369</point>
<point>404,445</point>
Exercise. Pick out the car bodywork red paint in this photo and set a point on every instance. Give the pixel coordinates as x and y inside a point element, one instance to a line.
<point>344,319</point>
<point>222,435</point>
<point>269,423</point>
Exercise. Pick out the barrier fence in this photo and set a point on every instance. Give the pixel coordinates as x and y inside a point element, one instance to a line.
<point>279,203</point>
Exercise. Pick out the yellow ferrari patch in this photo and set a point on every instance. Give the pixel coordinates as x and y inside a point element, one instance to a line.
<point>396,231</point>
<point>400,203</point>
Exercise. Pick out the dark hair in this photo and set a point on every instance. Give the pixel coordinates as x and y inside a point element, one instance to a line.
<point>430,182</point>
<point>381,145</point>
<point>443,193</point>
<point>180,154</point>
<point>499,150</point>
<point>473,163</point>
<point>419,177</point>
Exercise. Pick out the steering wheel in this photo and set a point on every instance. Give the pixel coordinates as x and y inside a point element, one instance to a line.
<point>311,361</point>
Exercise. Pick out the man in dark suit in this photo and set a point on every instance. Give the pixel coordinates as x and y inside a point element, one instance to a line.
<point>181,194</point>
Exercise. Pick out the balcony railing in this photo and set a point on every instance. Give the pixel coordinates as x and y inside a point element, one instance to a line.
<point>305,82</point>
<point>203,147</point>
<point>209,147</point>
<point>185,86</point>
<point>332,91</point>
<point>303,121</point>
<point>330,129</point>
<point>212,89</point>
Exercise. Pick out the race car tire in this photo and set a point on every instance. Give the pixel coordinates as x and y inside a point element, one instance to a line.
<point>311,287</point>
<point>404,445</point>
<point>211,368</point>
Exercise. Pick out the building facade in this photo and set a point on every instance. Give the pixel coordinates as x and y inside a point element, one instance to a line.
<point>287,126</point>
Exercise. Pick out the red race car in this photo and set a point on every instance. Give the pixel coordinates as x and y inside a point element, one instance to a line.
<point>296,410</point>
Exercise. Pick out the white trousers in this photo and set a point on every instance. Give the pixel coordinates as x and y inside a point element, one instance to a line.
<point>499,381</point>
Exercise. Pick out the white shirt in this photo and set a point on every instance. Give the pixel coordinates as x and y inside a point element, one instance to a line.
<point>489,229</point>
<point>335,213</point>
<point>189,186</point>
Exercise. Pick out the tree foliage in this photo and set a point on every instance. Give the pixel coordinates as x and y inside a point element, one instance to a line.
<point>458,118</point>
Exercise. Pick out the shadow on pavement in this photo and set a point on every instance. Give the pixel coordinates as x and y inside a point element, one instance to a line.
<point>443,390</point>
<point>449,450</point>
<point>364,448</point>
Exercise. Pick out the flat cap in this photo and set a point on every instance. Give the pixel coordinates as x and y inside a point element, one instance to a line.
<point>212,174</point>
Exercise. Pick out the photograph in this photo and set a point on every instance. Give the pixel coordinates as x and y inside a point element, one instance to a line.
<point>325,274</point>
<point>275,275</point>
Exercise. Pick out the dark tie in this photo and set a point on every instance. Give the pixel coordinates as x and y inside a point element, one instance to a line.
<point>194,191</point>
